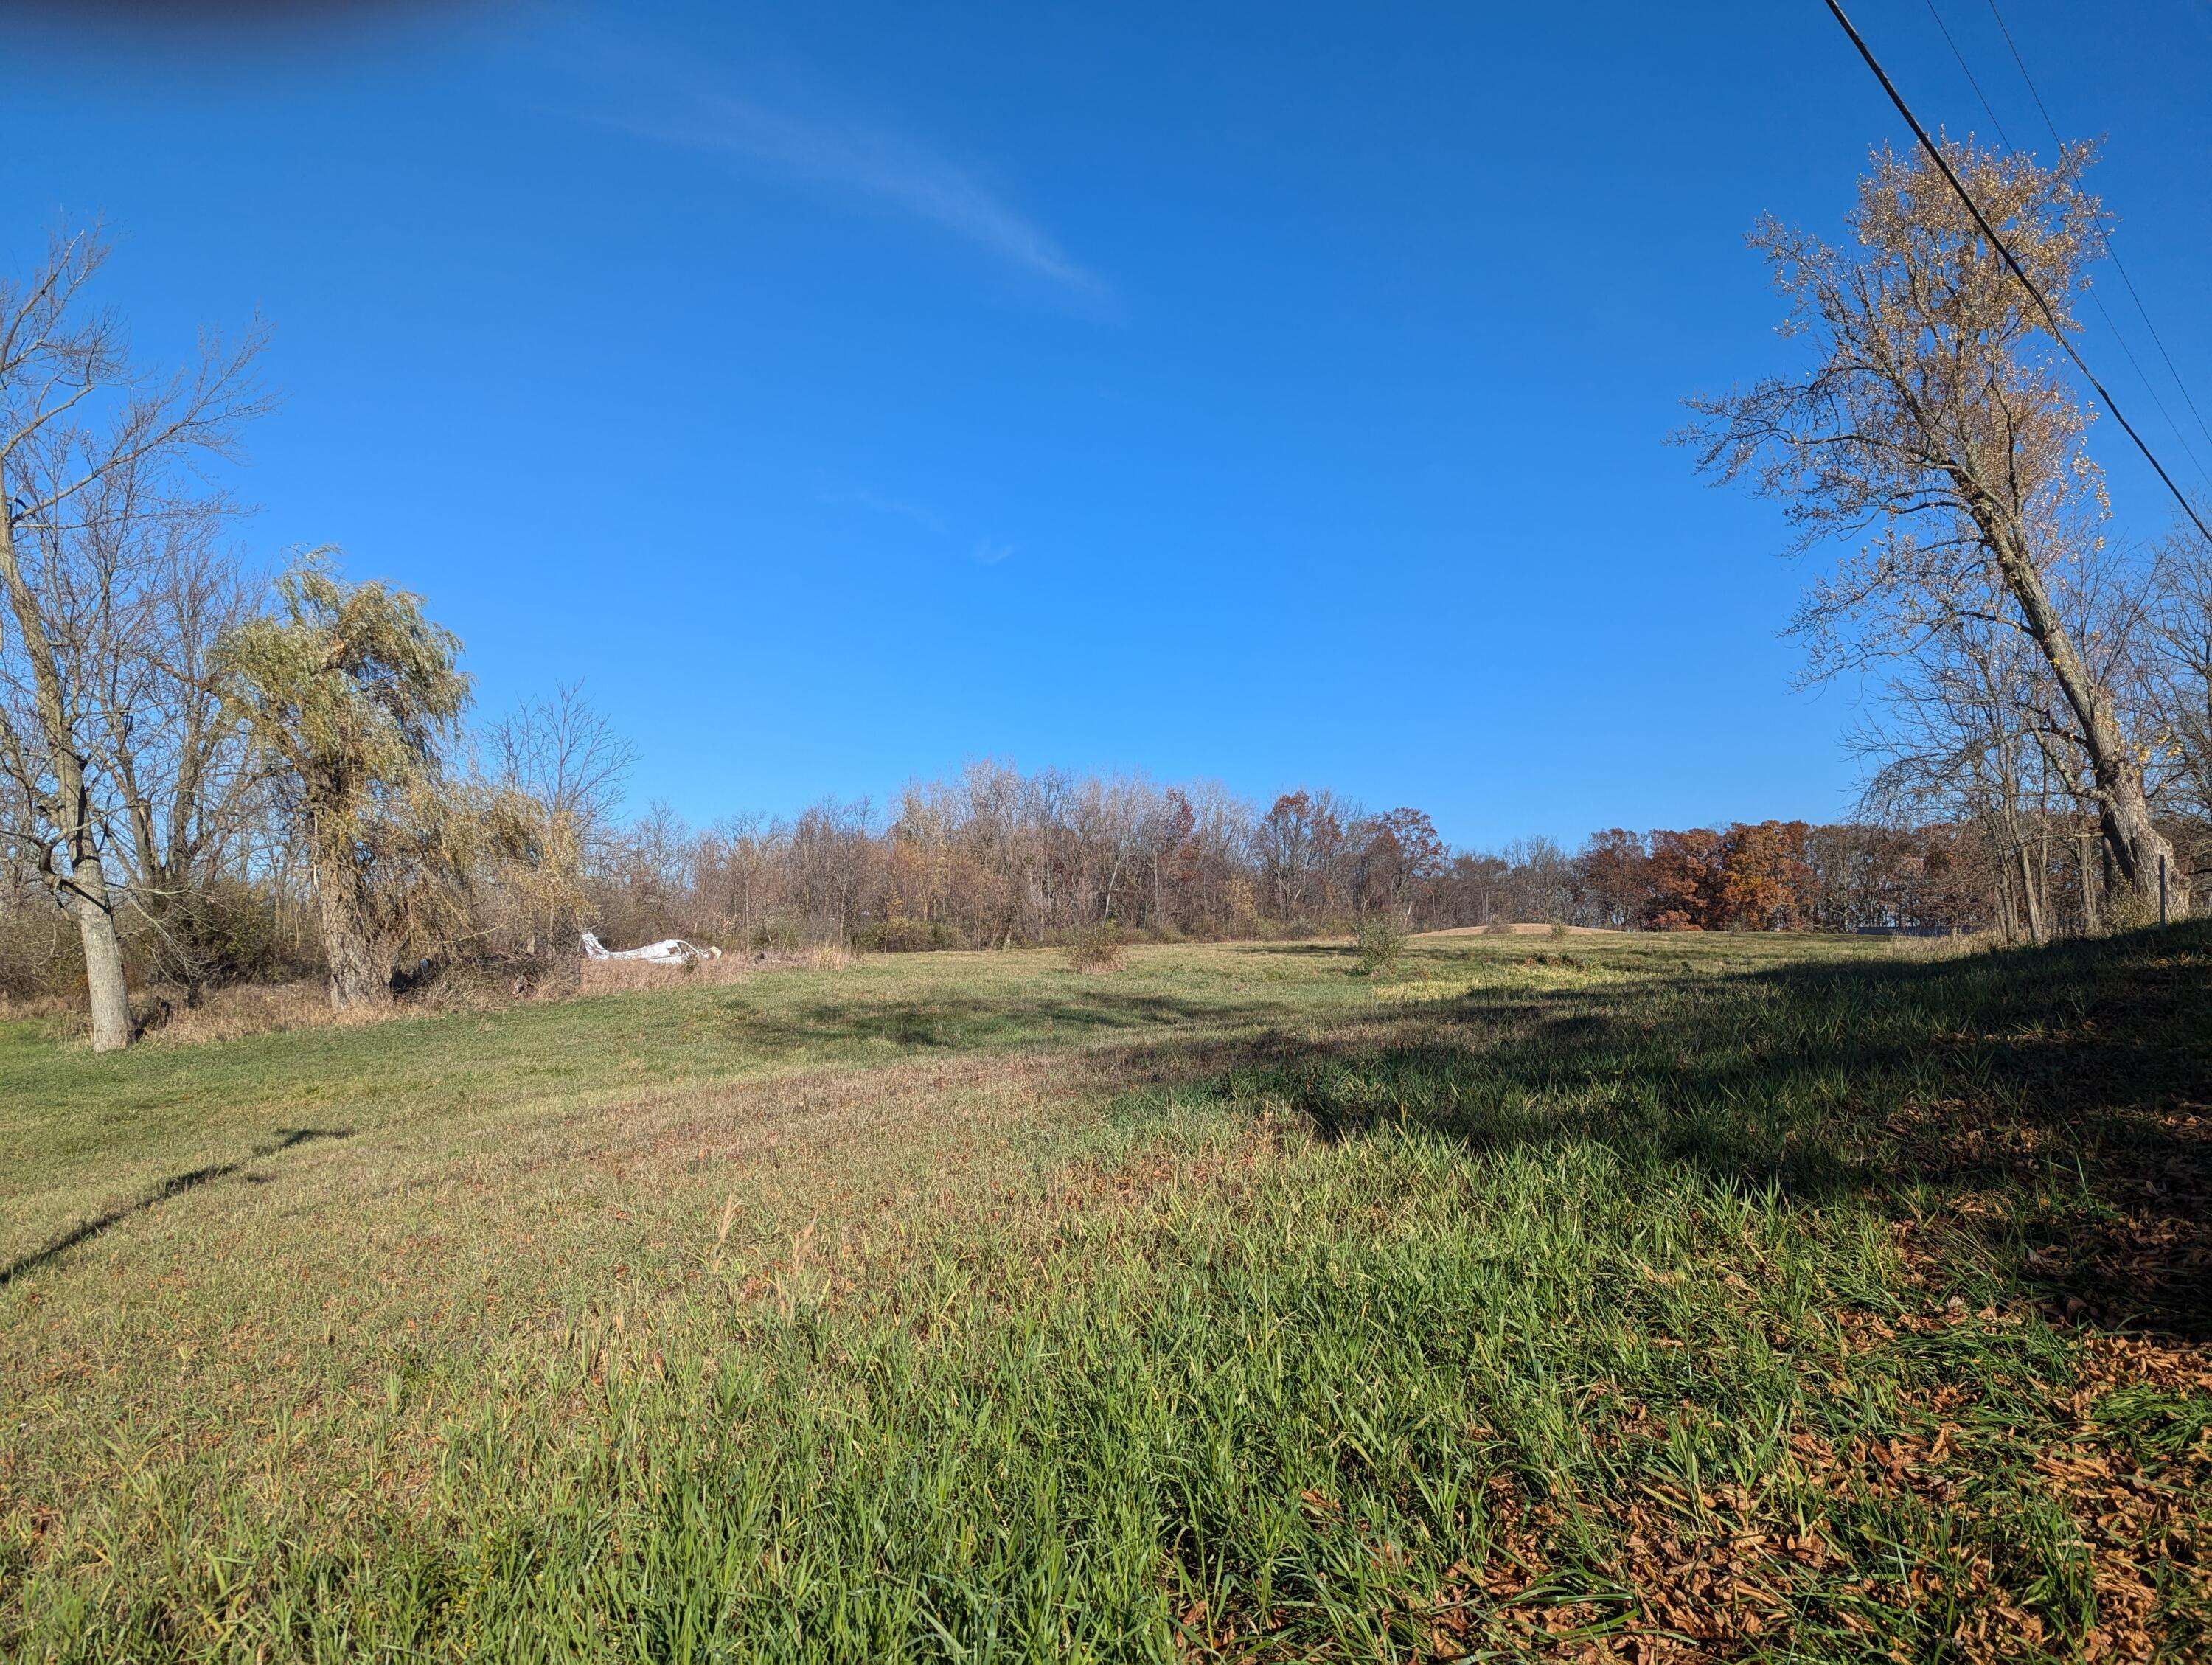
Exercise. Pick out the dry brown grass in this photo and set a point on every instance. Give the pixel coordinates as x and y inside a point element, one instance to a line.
<point>169,1018</point>
<point>1944,948</point>
<point>631,976</point>
<point>34,1008</point>
<point>1504,928</point>
<point>1098,948</point>
<point>232,1014</point>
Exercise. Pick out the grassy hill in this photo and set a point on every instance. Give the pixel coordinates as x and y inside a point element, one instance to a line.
<point>1613,1298</point>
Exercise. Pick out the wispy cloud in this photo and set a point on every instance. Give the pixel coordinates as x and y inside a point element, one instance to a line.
<point>920,513</point>
<point>810,139</point>
<point>878,163</point>
<point>984,551</point>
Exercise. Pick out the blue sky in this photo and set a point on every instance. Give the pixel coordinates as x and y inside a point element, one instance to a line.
<point>1273,392</point>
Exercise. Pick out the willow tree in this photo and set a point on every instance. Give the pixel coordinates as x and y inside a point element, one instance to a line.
<point>1932,426</point>
<point>351,694</point>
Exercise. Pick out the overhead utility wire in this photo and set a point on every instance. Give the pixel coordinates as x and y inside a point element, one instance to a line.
<point>2119,264</point>
<point>2095,300</point>
<point>2057,333</point>
<point>1967,69</point>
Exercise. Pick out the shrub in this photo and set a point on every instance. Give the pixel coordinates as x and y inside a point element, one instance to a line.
<point>770,936</point>
<point>39,959</point>
<point>1498,927</point>
<point>2128,909</point>
<point>786,934</point>
<point>1558,927</point>
<point>221,932</point>
<point>1380,943</point>
<point>1096,947</point>
<point>904,936</point>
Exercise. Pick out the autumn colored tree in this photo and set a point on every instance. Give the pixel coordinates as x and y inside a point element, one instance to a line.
<point>1763,878</point>
<point>1684,871</point>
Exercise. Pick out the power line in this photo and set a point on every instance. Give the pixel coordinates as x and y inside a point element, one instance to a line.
<point>2051,318</point>
<point>1966,69</point>
<point>2095,300</point>
<point>2119,266</point>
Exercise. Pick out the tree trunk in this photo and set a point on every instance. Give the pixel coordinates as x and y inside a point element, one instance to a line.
<point>2123,811</point>
<point>89,903</point>
<point>103,978</point>
<point>2007,914</point>
<point>2139,852</point>
<point>360,961</point>
<point>2031,898</point>
<point>73,869</point>
<point>361,977</point>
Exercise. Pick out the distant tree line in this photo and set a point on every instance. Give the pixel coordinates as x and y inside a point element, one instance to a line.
<point>495,849</point>
<point>207,777</point>
<point>998,858</point>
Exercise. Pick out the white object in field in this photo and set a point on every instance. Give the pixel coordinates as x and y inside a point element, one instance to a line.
<point>670,950</point>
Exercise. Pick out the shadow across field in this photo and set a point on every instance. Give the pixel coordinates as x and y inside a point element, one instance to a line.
<point>2053,1105</point>
<point>957,1022</point>
<point>175,1185</point>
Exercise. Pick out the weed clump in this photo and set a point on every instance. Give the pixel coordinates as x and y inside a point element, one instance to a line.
<point>1096,947</point>
<point>2127,909</point>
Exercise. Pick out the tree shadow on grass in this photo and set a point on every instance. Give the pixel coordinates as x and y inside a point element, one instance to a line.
<point>2054,1104</point>
<point>965,1023</point>
<point>175,1185</point>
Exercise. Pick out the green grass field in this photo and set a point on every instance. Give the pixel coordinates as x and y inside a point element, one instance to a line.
<point>1610,1299</point>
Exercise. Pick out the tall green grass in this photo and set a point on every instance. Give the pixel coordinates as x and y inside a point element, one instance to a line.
<point>1694,1303</point>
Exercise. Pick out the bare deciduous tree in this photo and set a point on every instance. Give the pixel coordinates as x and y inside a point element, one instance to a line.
<point>1300,840</point>
<point>1934,423</point>
<point>95,470</point>
<point>565,766</point>
<point>2182,677</point>
<point>565,756</point>
<point>183,794</point>
<point>1956,740</point>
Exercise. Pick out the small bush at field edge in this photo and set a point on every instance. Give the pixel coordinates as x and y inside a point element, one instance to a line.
<point>1379,944</point>
<point>1096,947</point>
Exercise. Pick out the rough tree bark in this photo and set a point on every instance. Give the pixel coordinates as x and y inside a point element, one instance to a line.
<point>70,865</point>
<point>360,964</point>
